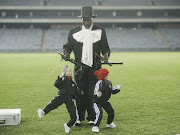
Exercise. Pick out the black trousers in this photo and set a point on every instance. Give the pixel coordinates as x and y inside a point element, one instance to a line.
<point>109,110</point>
<point>85,102</point>
<point>99,112</point>
<point>58,101</point>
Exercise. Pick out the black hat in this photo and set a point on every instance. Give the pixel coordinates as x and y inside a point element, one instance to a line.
<point>87,12</point>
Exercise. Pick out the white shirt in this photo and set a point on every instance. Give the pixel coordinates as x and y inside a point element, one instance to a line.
<point>87,37</point>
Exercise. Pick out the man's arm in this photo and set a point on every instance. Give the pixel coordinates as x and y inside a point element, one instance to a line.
<point>68,47</point>
<point>105,46</point>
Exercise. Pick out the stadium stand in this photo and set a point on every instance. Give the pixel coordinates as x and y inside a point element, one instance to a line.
<point>140,2</point>
<point>134,39</point>
<point>110,12</point>
<point>123,39</point>
<point>71,2</point>
<point>167,2</point>
<point>172,36</point>
<point>89,2</point>
<point>126,3</point>
<point>20,2</point>
<point>20,40</point>
<point>56,39</point>
<point>131,25</point>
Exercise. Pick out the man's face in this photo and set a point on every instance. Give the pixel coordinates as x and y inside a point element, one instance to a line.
<point>87,22</point>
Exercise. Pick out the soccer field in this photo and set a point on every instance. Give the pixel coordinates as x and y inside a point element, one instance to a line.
<point>149,101</point>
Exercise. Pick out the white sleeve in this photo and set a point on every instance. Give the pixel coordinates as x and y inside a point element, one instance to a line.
<point>97,86</point>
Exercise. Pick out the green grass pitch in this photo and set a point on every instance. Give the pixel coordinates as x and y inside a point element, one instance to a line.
<point>148,104</point>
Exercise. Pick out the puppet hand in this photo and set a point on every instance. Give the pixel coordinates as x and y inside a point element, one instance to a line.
<point>99,94</point>
<point>118,87</point>
<point>106,56</point>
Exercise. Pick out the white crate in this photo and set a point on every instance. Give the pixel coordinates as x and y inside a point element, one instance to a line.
<point>10,117</point>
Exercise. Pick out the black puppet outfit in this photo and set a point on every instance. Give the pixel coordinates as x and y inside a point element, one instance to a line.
<point>67,91</point>
<point>105,87</point>
<point>84,76</point>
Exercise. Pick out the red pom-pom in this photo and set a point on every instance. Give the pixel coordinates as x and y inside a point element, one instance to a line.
<point>101,74</point>
<point>96,73</point>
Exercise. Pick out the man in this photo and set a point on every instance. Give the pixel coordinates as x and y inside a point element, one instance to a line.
<point>85,41</point>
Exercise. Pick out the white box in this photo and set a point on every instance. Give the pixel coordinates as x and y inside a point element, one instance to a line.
<point>10,117</point>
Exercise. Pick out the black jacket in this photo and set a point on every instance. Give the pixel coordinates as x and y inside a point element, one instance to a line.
<point>106,89</point>
<point>99,47</point>
<point>66,86</point>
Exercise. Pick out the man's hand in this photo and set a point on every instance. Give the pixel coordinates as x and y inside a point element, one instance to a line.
<point>67,55</point>
<point>106,56</point>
